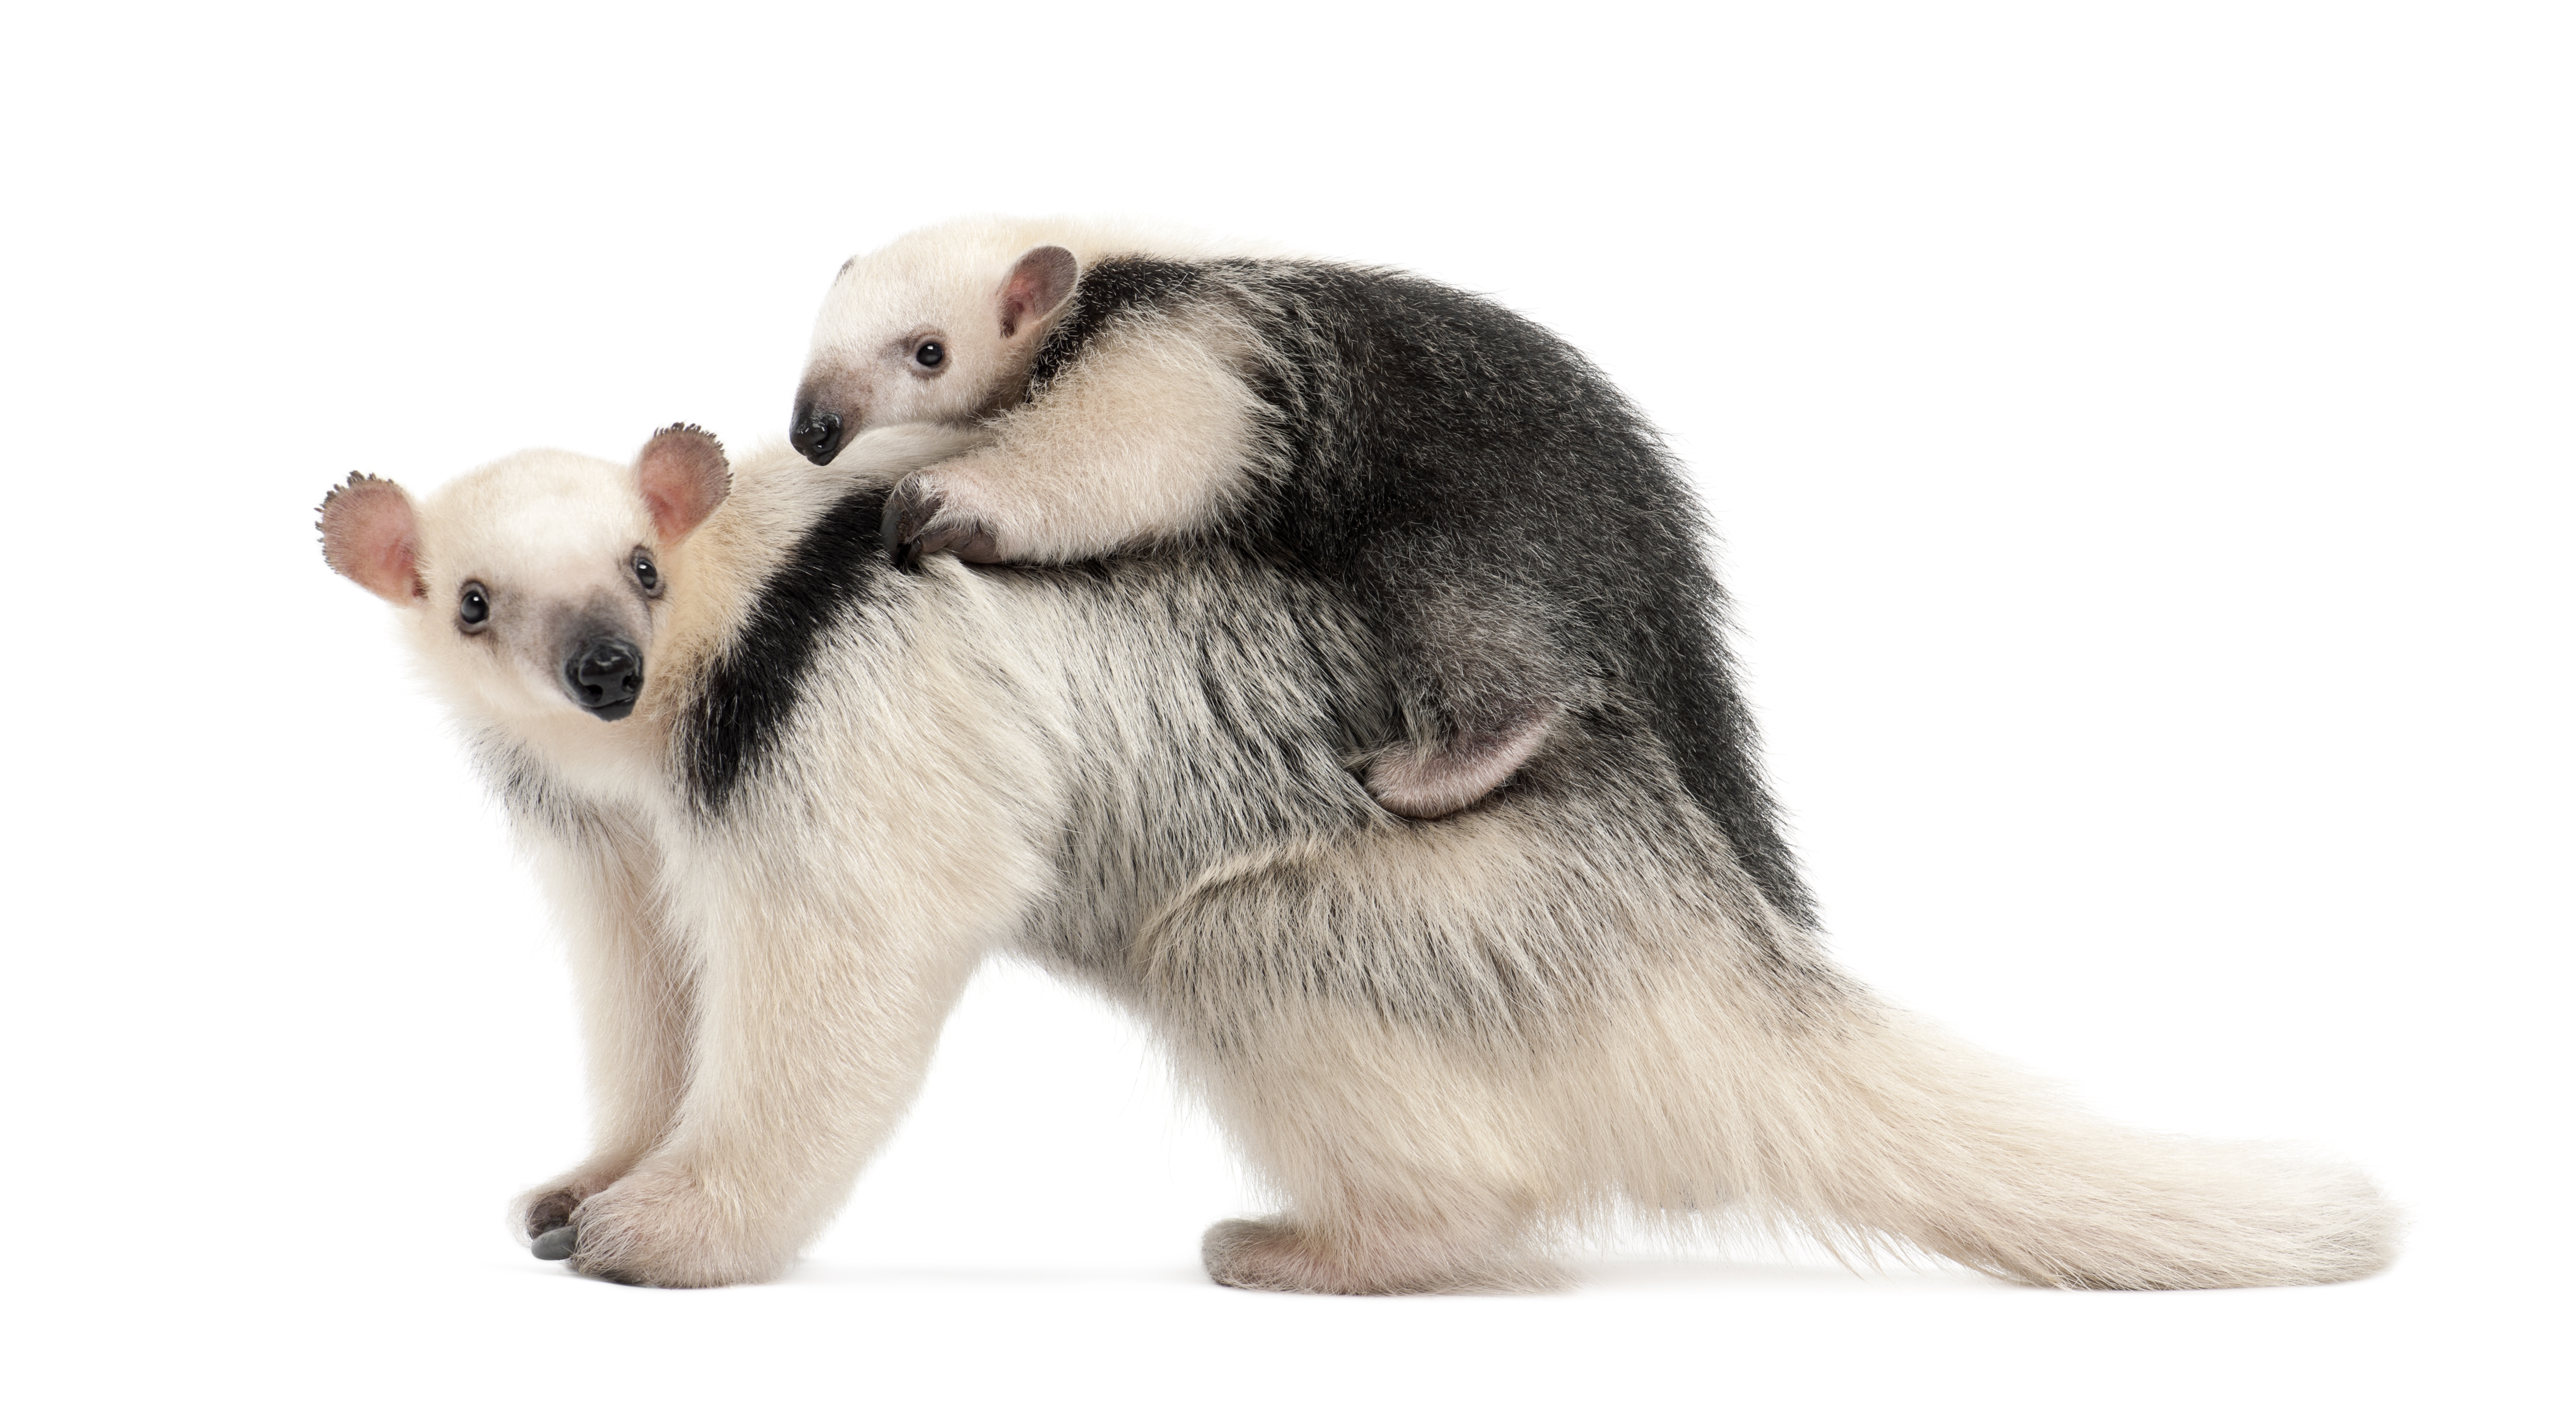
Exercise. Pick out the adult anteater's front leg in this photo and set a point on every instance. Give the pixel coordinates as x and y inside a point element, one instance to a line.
<point>816,1019</point>
<point>638,1005</point>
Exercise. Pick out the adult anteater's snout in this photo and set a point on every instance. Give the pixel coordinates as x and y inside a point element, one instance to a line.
<point>604,675</point>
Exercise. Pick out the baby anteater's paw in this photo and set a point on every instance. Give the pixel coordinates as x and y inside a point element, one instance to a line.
<point>927,515</point>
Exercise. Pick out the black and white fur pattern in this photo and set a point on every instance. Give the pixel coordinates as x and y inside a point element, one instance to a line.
<point>1506,525</point>
<point>1445,1044</point>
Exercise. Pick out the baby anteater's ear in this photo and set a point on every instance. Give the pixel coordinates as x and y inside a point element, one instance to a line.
<point>371,533</point>
<point>1035,286</point>
<point>683,475</point>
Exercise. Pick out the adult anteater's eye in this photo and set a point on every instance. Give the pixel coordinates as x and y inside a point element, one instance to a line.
<point>473,606</point>
<point>645,574</point>
<point>930,355</point>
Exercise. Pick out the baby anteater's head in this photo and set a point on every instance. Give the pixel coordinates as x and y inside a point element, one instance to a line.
<point>939,327</point>
<point>532,587</point>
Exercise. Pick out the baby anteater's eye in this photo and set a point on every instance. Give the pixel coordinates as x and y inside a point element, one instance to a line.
<point>473,606</point>
<point>646,575</point>
<point>930,354</point>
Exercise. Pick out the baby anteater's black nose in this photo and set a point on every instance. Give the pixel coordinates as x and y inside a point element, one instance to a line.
<point>815,433</point>
<point>604,675</point>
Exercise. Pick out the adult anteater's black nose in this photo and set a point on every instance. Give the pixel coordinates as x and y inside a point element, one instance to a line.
<point>815,433</point>
<point>604,675</point>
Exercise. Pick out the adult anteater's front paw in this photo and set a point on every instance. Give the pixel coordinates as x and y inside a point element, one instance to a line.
<point>660,1227</point>
<point>550,1205</point>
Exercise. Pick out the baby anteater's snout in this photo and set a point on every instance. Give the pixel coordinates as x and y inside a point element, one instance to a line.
<point>604,675</point>
<point>815,431</point>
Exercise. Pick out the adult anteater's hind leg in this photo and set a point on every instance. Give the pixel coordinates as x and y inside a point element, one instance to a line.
<point>1400,1170</point>
<point>1376,1021</point>
<point>1282,1254</point>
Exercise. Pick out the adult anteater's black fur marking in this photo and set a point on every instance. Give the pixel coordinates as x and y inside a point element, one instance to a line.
<point>1507,522</point>
<point>755,685</point>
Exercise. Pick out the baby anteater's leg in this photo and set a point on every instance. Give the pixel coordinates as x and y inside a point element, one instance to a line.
<point>1482,681</point>
<point>1430,780</point>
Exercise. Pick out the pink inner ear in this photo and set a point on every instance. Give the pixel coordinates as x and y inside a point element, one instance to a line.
<point>683,476</point>
<point>370,535</point>
<point>1035,286</point>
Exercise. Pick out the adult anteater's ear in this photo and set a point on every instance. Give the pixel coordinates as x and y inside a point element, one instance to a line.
<point>371,534</point>
<point>683,476</point>
<point>1040,282</point>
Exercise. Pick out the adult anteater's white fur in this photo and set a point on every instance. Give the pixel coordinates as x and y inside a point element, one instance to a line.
<point>1446,1044</point>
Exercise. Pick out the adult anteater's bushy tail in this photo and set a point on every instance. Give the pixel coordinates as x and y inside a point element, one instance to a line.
<point>1869,1124</point>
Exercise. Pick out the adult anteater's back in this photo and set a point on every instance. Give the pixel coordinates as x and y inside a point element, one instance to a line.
<point>1507,521</point>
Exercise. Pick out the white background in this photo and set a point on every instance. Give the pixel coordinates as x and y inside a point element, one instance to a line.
<point>2141,436</point>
